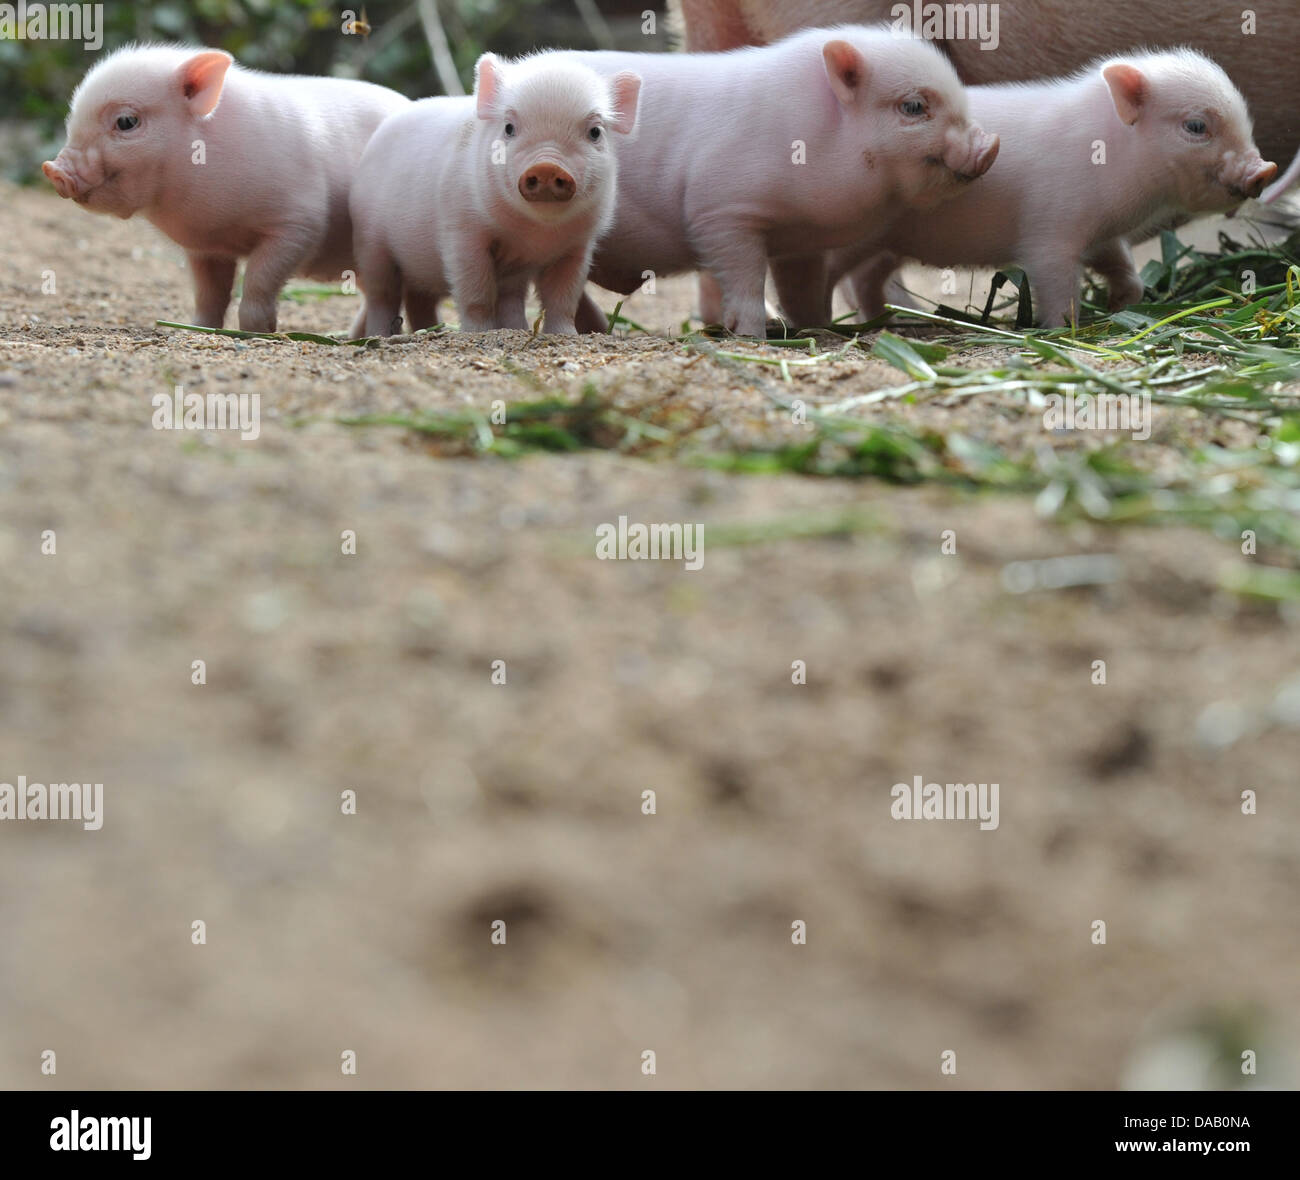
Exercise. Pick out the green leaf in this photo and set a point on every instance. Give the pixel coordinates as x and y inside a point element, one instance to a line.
<point>909,356</point>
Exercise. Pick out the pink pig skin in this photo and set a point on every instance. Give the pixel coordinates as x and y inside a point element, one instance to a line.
<point>1255,42</point>
<point>1049,207</point>
<point>712,182</point>
<point>478,197</point>
<point>280,153</point>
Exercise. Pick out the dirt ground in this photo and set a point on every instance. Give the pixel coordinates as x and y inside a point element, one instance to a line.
<point>480,802</point>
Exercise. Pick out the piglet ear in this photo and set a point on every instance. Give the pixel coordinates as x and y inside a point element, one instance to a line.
<point>202,77</point>
<point>487,85</point>
<point>1129,90</point>
<point>626,89</point>
<point>847,70</point>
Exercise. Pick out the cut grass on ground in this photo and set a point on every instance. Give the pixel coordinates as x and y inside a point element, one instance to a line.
<point>1220,338</point>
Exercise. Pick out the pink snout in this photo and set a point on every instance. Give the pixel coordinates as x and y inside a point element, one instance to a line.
<point>66,183</point>
<point>977,156</point>
<point>547,183</point>
<point>1254,180</point>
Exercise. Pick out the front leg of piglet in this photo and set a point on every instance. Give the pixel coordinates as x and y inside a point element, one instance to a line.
<point>1054,280</point>
<point>739,263</point>
<point>870,288</point>
<point>590,318</point>
<point>560,287</point>
<point>710,299</point>
<point>511,301</point>
<point>1113,260</point>
<point>803,290</point>
<point>421,308</point>
<point>214,280</point>
<point>269,267</point>
<point>474,285</point>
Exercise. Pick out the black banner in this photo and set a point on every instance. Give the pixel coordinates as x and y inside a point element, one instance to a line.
<point>369,1127</point>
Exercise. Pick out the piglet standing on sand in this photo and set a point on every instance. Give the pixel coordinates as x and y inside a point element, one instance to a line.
<point>1089,163</point>
<point>229,163</point>
<point>479,197</point>
<point>779,154</point>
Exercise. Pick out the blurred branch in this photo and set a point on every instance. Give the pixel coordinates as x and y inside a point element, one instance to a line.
<point>436,36</point>
<point>596,23</point>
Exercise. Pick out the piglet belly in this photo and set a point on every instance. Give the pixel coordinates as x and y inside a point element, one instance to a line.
<point>637,250</point>
<point>221,239</point>
<point>335,254</point>
<point>969,231</point>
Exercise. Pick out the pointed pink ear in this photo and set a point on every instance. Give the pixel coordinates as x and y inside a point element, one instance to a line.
<point>847,70</point>
<point>626,88</point>
<point>1129,90</point>
<point>202,77</point>
<point>487,85</point>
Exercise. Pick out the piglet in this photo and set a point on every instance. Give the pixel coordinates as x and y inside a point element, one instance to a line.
<point>1021,40</point>
<point>779,154</point>
<point>1089,164</point>
<point>479,197</point>
<point>229,163</point>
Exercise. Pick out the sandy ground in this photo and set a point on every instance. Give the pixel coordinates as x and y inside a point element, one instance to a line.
<point>522,803</point>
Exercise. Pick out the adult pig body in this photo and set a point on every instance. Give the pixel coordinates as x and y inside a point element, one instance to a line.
<point>746,157</point>
<point>229,163</point>
<point>1051,38</point>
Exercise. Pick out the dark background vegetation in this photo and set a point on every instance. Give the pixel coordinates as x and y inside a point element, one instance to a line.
<point>301,36</point>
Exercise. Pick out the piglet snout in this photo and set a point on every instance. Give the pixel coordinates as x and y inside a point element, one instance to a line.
<point>1255,179</point>
<point>975,156</point>
<point>985,154</point>
<point>547,183</point>
<point>65,182</point>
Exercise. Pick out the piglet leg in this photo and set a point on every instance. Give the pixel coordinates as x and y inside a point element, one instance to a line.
<point>803,290</point>
<point>269,267</point>
<point>869,283</point>
<point>511,312</point>
<point>1113,260</point>
<point>590,318</point>
<point>381,283</point>
<point>560,287</point>
<point>739,263</point>
<point>710,299</point>
<point>421,309</point>
<point>1055,283</point>
<point>214,280</point>
<point>473,285</point>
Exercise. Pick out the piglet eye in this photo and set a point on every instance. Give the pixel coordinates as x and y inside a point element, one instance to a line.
<point>594,135</point>
<point>913,108</point>
<point>127,122</point>
<point>510,130</point>
<point>1195,127</point>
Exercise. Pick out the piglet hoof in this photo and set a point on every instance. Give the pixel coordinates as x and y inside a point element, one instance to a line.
<point>591,320</point>
<point>751,327</point>
<point>256,319</point>
<point>1125,293</point>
